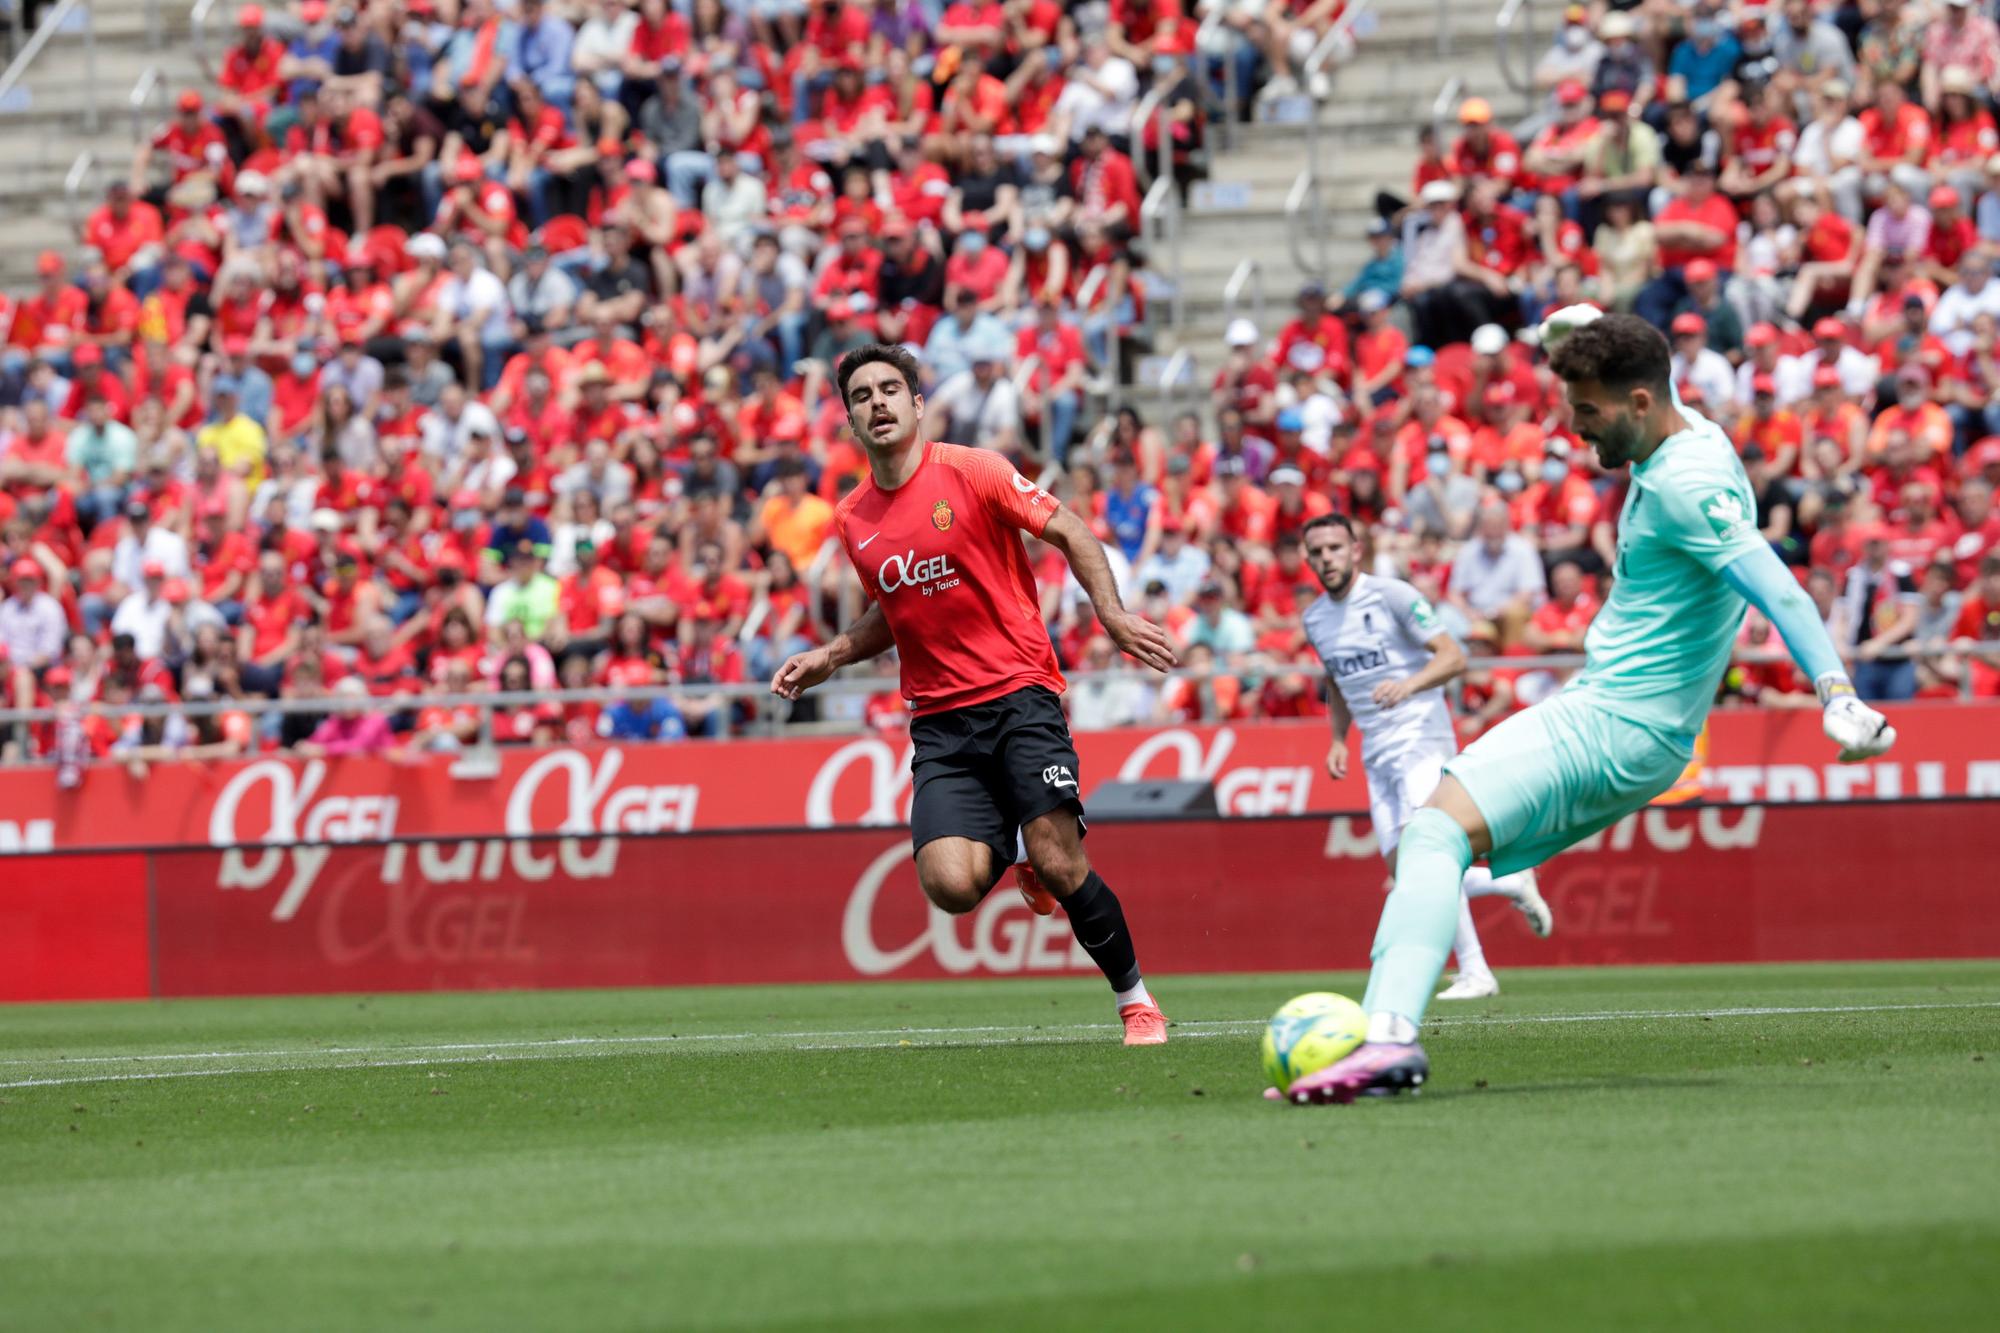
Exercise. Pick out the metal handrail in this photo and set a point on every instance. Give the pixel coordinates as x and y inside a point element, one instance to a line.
<point>1142,113</point>
<point>1247,273</point>
<point>148,83</point>
<point>1162,205</point>
<point>1338,34</point>
<point>1304,189</point>
<point>1024,374</point>
<point>73,183</point>
<point>1340,28</point>
<point>1170,379</point>
<point>1087,290</point>
<point>45,32</point>
<point>1232,93</point>
<point>1446,99</point>
<point>198,36</point>
<point>1503,25</point>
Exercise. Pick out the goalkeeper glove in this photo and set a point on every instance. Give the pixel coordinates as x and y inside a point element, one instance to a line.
<point>1859,731</point>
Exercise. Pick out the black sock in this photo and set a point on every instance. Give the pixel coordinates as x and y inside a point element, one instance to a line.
<point>1099,923</point>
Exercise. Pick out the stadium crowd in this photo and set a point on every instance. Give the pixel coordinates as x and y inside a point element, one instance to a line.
<point>442,347</point>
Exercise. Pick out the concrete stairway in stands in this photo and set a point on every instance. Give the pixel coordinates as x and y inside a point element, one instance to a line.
<point>44,125</point>
<point>1369,123</point>
<point>1378,100</point>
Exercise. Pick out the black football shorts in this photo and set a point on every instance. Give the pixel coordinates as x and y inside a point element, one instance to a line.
<point>982,771</point>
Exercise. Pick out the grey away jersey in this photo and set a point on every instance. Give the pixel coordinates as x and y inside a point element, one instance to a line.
<point>1377,633</point>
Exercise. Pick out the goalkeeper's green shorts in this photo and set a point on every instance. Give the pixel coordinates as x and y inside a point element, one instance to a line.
<point>1552,775</point>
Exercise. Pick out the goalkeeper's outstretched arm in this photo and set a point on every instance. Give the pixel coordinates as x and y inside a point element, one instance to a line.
<point>1766,584</point>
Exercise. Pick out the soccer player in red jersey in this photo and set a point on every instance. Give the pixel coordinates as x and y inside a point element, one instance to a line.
<point>932,530</point>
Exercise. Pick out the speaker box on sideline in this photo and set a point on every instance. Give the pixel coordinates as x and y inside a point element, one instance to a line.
<point>1152,800</point>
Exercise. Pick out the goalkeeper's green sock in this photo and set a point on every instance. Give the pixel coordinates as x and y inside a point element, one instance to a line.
<point>1417,926</point>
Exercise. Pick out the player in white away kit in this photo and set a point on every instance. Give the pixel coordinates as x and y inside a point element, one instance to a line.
<point>1387,660</point>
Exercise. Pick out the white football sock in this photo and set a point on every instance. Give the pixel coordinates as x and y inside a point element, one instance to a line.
<point>1481,882</point>
<point>1137,995</point>
<point>1471,955</point>
<point>1393,1029</point>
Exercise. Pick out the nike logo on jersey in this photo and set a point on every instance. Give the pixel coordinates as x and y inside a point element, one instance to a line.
<point>864,545</point>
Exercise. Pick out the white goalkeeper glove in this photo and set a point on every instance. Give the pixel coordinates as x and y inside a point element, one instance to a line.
<point>1564,322</point>
<point>1859,731</point>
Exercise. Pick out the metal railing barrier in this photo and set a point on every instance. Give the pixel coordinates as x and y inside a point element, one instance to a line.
<point>1516,15</point>
<point>56,22</point>
<point>1441,107</point>
<point>1249,273</point>
<point>73,185</point>
<point>149,87</point>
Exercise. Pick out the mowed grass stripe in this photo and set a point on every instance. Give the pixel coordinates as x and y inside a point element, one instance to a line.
<point>970,1037</point>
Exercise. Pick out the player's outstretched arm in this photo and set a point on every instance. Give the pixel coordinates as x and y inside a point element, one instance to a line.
<point>1135,635</point>
<point>1763,580</point>
<point>865,638</point>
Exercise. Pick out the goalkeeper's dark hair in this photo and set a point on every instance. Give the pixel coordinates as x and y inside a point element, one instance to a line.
<point>900,358</point>
<point>1620,352</point>
<point>1341,521</point>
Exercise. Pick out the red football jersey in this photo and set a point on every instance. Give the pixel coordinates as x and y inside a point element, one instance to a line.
<point>941,556</point>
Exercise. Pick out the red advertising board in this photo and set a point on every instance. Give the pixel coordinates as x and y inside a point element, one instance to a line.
<point>74,927</point>
<point>1265,768</point>
<point>1685,885</point>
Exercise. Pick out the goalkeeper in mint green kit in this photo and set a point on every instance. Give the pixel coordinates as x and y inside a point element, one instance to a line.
<point>1689,558</point>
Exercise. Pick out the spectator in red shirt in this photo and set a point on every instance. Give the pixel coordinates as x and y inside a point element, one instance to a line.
<point>1977,633</point>
<point>1557,508</point>
<point>268,638</point>
<point>190,142</point>
<point>1759,151</point>
<point>1965,137</point>
<point>1483,152</point>
<point>251,71</point>
<point>1775,430</point>
<point>1975,528</point>
<point>1319,327</point>
<point>1107,187</point>
<point>1558,624</point>
<point>1055,392</point>
<point>1953,237</point>
<point>1555,156</point>
<point>128,233</point>
<point>1379,352</point>
<point>1896,140</point>
<point>1700,224</point>
<point>46,324</point>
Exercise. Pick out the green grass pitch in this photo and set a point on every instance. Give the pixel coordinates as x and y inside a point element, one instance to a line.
<point>1713,1148</point>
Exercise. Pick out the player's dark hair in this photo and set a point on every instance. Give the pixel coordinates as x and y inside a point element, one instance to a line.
<point>1620,352</point>
<point>873,352</point>
<point>1341,521</point>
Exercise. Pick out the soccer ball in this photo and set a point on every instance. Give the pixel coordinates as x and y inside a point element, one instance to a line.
<point>1310,1033</point>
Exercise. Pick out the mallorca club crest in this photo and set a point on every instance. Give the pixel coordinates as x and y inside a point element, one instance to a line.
<point>941,515</point>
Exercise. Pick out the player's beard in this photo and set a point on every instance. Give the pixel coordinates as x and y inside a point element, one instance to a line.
<point>1618,443</point>
<point>1338,588</point>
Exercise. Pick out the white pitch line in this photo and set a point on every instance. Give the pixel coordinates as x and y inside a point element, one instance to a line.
<point>846,1040</point>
